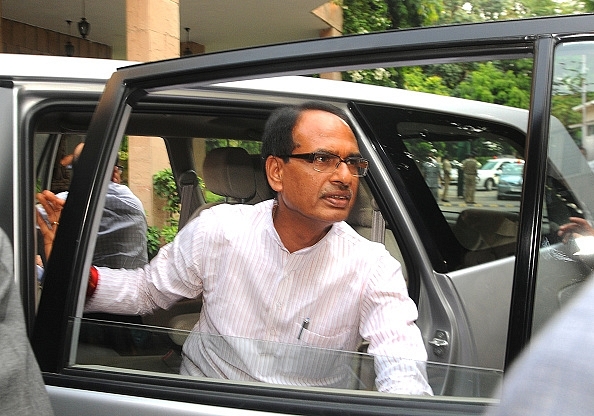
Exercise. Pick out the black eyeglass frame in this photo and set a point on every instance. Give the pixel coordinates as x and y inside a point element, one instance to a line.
<point>355,161</point>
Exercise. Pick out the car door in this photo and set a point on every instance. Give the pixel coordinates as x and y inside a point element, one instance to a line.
<point>463,284</point>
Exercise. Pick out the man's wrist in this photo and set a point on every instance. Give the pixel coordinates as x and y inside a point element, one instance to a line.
<point>93,281</point>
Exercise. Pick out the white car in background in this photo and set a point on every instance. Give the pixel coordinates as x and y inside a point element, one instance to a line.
<point>488,174</point>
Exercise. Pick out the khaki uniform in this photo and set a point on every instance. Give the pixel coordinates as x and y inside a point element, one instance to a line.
<point>447,175</point>
<point>469,168</point>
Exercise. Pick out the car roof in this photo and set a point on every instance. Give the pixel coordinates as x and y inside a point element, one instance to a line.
<point>309,87</point>
<point>42,67</point>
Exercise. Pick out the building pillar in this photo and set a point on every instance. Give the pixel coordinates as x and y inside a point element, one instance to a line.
<point>152,34</point>
<point>331,14</point>
<point>1,42</point>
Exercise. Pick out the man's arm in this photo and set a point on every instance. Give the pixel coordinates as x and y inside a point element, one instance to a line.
<point>173,274</point>
<point>388,323</point>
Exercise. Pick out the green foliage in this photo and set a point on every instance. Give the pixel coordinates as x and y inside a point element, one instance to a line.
<point>413,13</point>
<point>491,84</point>
<point>365,16</point>
<point>169,232</point>
<point>165,187</point>
<point>153,237</point>
<point>416,80</point>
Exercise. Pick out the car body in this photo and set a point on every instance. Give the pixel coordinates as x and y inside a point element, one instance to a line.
<point>484,278</point>
<point>488,174</point>
<point>510,181</point>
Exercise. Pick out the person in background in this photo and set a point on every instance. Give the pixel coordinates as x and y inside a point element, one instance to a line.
<point>431,175</point>
<point>121,240</point>
<point>554,374</point>
<point>470,167</point>
<point>22,391</point>
<point>447,176</point>
<point>121,244</point>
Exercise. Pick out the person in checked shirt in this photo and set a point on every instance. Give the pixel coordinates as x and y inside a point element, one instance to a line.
<point>287,285</point>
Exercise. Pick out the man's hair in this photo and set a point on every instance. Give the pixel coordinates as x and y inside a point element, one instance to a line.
<point>277,138</point>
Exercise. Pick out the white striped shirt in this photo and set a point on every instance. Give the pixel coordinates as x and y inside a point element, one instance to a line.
<point>256,296</point>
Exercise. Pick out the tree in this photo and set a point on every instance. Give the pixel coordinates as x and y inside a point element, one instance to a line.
<point>489,83</point>
<point>411,13</point>
<point>365,16</point>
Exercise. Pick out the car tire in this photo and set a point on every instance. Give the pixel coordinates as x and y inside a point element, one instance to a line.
<point>489,184</point>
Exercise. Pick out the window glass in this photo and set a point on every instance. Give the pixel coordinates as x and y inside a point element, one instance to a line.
<point>159,350</point>
<point>123,343</point>
<point>53,171</point>
<point>470,238</point>
<point>565,258</point>
<point>472,227</point>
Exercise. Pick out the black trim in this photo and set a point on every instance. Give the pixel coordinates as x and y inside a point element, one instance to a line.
<point>436,44</point>
<point>537,140</point>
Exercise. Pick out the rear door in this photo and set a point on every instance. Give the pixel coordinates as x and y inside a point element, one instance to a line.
<point>465,265</point>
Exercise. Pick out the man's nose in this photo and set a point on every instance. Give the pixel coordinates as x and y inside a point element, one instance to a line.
<point>342,173</point>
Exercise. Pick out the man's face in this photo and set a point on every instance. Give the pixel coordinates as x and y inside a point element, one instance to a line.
<point>321,197</point>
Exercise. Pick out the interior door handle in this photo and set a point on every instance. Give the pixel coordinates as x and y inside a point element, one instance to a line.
<point>440,342</point>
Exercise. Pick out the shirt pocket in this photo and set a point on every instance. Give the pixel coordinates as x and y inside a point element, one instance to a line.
<point>337,341</point>
<point>317,360</point>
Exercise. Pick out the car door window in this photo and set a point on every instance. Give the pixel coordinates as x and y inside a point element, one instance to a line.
<point>415,142</point>
<point>565,258</point>
<point>153,344</point>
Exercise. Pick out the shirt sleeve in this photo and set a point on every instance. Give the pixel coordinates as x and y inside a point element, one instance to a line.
<point>388,322</point>
<point>173,274</point>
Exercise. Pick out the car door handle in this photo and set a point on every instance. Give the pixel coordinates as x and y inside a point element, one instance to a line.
<point>440,342</point>
<point>436,342</point>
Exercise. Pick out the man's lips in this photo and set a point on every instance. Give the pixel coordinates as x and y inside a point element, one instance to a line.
<point>338,198</point>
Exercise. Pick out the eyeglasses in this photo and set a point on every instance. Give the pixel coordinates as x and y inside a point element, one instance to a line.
<point>119,168</point>
<point>325,162</point>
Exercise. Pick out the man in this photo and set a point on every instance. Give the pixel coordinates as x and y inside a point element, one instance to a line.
<point>121,241</point>
<point>121,244</point>
<point>553,376</point>
<point>470,167</point>
<point>286,283</point>
<point>22,391</point>
<point>447,176</point>
<point>431,175</point>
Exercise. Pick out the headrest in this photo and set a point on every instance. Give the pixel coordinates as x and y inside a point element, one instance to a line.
<point>483,228</point>
<point>228,172</point>
<point>263,190</point>
<point>361,214</point>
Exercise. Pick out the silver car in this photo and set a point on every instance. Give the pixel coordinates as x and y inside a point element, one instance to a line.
<point>485,278</point>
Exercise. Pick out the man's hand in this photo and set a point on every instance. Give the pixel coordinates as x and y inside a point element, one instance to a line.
<point>575,228</point>
<point>53,207</point>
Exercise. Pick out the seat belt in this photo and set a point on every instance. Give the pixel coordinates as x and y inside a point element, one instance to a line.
<point>189,196</point>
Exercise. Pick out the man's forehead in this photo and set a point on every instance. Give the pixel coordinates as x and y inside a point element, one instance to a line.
<point>320,122</point>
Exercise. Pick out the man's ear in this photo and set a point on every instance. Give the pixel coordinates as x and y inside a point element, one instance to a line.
<point>274,173</point>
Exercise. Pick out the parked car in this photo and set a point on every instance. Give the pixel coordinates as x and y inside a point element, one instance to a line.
<point>485,279</point>
<point>488,174</point>
<point>510,181</point>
